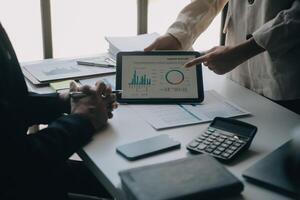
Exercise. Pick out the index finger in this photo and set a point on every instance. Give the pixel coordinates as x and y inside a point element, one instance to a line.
<point>196,61</point>
<point>100,88</point>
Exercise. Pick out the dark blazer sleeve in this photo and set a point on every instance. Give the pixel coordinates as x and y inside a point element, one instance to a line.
<point>60,139</point>
<point>45,108</point>
<point>47,148</point>
<point>28,162</point>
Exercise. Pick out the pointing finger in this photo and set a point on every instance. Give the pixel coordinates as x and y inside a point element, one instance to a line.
<point>196,61</point>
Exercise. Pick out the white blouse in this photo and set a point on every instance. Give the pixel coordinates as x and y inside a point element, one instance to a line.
<point>274,25</point>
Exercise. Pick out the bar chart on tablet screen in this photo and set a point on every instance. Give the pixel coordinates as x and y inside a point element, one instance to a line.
<point>158,79</point>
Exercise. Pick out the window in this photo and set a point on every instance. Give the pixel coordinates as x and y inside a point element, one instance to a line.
<point>162,13</point>
<point>22,22</point>
<point>79,26</point>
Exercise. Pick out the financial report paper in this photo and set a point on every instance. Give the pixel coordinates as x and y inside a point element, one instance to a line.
<point>169,116</point>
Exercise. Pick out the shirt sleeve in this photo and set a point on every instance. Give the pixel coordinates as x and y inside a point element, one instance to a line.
<point>194,19</point>
<point>44,108</point>
<point>27,159</point>
<point>282,33</point>
<point>61,138</point>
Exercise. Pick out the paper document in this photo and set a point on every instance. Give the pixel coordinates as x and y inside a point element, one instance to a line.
<point>168,116</point>
<point>132,43</point>
<point>68,69</point>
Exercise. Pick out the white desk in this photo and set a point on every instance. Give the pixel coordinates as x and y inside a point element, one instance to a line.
<point>275,125</point>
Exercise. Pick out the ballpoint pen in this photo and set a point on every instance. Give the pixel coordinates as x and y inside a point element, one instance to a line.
<point>79,94</point>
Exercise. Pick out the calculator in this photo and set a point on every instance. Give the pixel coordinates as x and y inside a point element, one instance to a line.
<point>224,139</point>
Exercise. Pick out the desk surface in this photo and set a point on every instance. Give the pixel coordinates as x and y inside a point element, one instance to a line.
<point>275,126</point>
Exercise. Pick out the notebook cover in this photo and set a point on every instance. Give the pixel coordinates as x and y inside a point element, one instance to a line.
<point>270,173</point>
<point>195,177</point>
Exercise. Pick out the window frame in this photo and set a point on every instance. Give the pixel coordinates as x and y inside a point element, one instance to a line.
<point>142,24</point>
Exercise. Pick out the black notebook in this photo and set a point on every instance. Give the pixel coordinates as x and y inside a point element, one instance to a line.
<point>270,172</point>
<point>195,177</point>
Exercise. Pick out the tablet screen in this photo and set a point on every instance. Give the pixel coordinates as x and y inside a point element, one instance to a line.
<point>158,77</point>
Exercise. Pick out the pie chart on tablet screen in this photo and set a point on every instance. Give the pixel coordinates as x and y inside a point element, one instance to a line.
<point>174,77</point>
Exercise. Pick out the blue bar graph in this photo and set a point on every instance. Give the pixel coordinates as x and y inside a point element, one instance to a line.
<point>139,80</point>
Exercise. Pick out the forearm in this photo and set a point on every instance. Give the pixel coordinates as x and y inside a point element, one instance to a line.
<point>194,19</point>
<point>247,50</point>
<point>61,139</point>
<point>45,108</point>
<point>24,155</point>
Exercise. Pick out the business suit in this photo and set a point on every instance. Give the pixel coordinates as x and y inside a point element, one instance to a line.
<point>31,164</point>
<point>274,25</point>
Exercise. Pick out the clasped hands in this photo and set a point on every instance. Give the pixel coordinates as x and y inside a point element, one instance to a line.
<point>97,105</point>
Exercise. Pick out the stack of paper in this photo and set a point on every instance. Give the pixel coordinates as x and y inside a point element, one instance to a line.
<point>133,43</point>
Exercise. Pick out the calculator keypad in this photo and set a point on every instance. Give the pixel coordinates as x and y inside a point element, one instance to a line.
<point>217,143</point>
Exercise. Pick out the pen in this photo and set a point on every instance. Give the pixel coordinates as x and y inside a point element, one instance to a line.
<point>81,94</point>
<point>86,63</point>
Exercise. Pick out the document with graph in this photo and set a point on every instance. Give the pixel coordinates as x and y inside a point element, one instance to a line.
<point>63,69</point>
<point>168,116</point>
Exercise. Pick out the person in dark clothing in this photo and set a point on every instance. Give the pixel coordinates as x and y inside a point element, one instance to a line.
<point>32,165</point>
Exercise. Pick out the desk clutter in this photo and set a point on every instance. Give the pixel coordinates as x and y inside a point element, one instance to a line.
<point>44,72</point>
<point>194,177</point>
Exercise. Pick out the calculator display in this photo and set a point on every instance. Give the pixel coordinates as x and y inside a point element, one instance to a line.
<point>232,127</point>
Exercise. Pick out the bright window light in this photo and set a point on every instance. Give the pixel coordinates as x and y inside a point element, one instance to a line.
<point>22,22</point>
<point>79,26</point>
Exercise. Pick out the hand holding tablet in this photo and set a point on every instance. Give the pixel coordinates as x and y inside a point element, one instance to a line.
<point>158,77</point>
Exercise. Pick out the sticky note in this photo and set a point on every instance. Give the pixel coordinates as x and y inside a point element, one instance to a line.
<point>61,85</point>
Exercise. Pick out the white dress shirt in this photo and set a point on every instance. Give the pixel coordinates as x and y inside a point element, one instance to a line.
<point>274,25</point>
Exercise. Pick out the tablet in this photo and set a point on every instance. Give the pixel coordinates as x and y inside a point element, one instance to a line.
<point>158,77</point>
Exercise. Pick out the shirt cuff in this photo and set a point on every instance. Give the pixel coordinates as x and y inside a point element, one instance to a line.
<point>181,35</point>
<point>262,37</point>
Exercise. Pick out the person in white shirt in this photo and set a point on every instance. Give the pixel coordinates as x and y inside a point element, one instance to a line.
<point>262,49</point>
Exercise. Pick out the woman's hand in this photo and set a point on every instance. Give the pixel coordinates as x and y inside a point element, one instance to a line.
<point>222,59</point>
<point>164,42</point>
